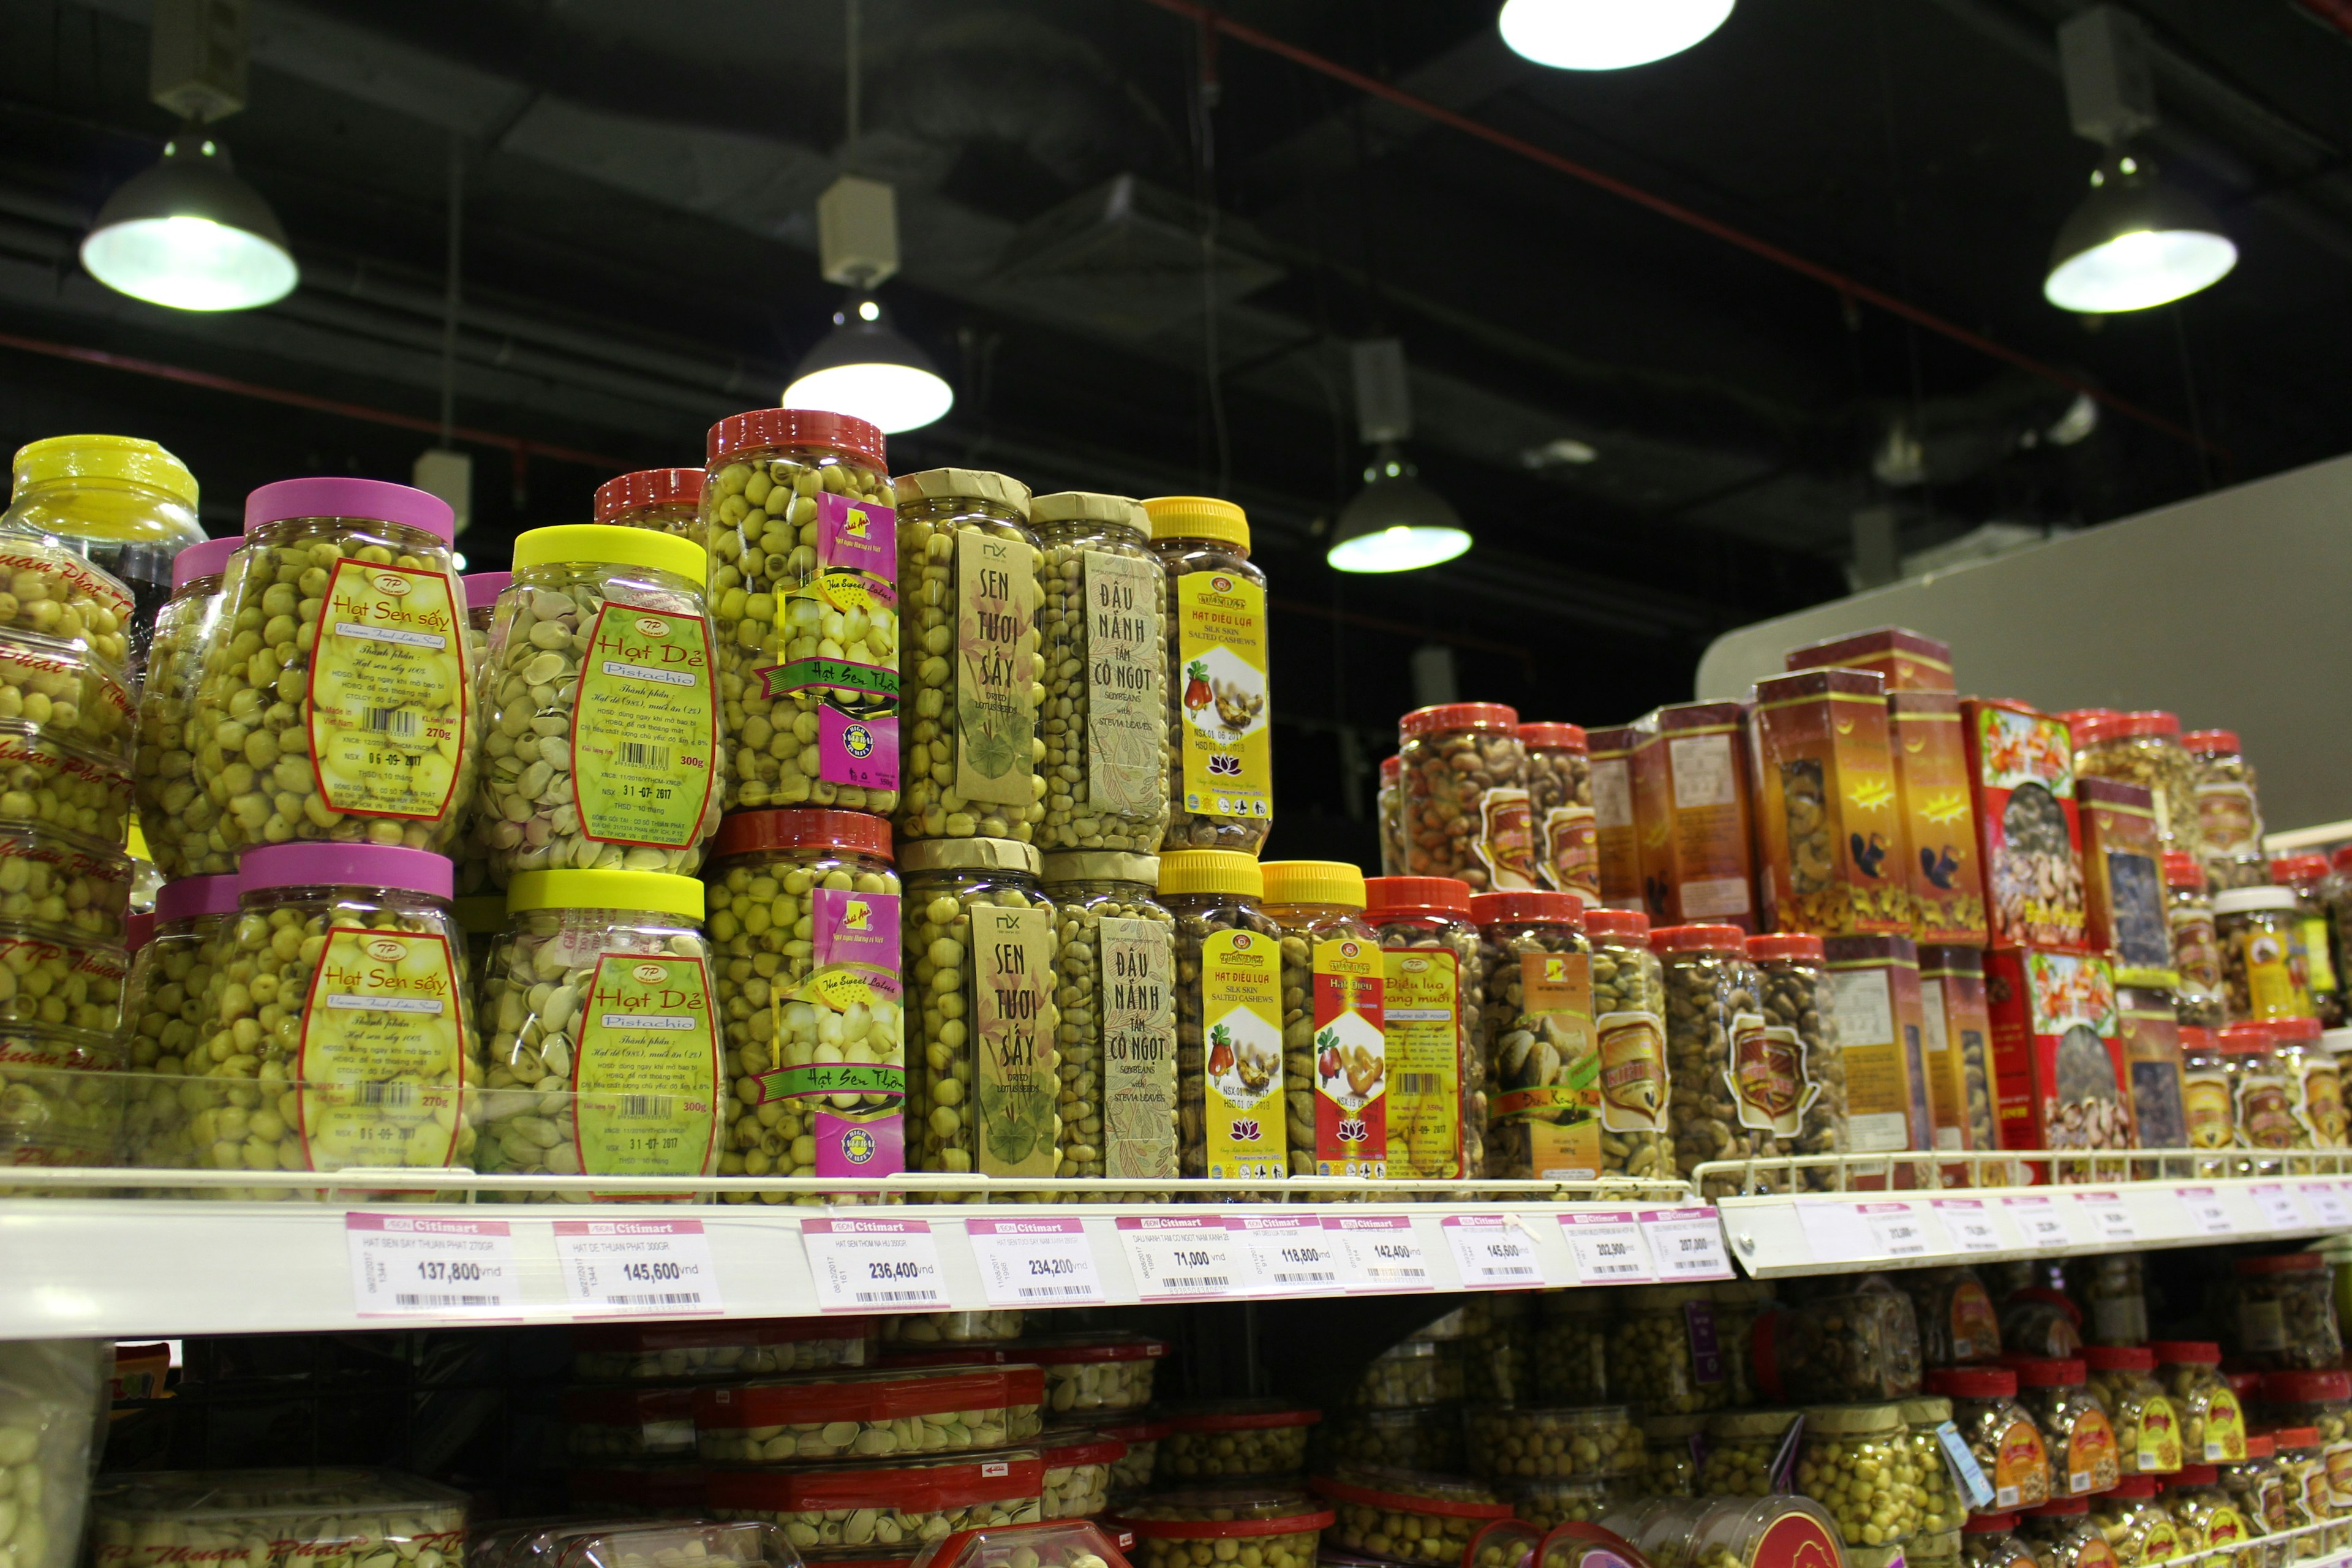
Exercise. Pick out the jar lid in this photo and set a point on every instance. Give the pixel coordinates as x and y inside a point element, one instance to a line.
<point>2087,726</point>
<point>2191,1476</point>
<point>1408,1491</point>
<point>1087,506</point>
<point>2288,869</point>
<point>1928,1410</point>
<point>2059,1508</point>
<point>2337,1040</point>
<point>1749,1423</point>
<point>344,865</point>
<point>1627,925</point>
<point>2196,1038</point>
<point>1557,737</point>
<point>1240,1416</point>
<point>1232,872</point>
<point>208,558</point>
<point>374,501</point>
<point>1402,897</point>
<point>1852,1420</point>
<point>607,543</point>
<point>647,487</point>
<point>2301,1030</point>
<point>1066,1446</point>
<point>2132,1486</point>
<point>1786,947</point>
<point>1100,865</point>
<point>2295,1436</point>
<point>1133,1432</point>
<point>2244,1040</point>
<point>1313,882</point>
<point>801,827</point>
<point>189,896</point>
<point>1392,770</point>
<point>1700,939</point>
<point>2187,1353</point>
<point>2039,1371</point>
<point>2144,721</point>
<point>2303,1388</point>
<point>483,588</point>
<point>1448,716</point>
<point>1975,1382</point>
<point>481,914</point>
<point>1528,906</point>
<point>2238,900</point>
<point>138,930</point>
<point>772,429</point>
<point>2048,1297</point>
<point>2211,741</point>
<point>963,484</point>
<point>1198,517</point>
<point>1989,1523</point>
<point>2181,870</point>
<point>131,457</point>
<point>970,855</point>
<point>2342,859</point>
<point>2260,1446</point>
<point>1088,1345</point>
<point>655,892</point>
<point>2119,1358</point>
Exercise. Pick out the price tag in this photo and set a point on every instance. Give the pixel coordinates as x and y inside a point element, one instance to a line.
<point>1382,1252</point>
<point>1835,1231</point>
<point>1686,1244</point>
<point>874,1264</point>
<point>2326,1204</point>
<point>1492,1252</point>
<point>637,1265</point>
<point>2207,1214</point>
<point>2040,1221</point>
<point>1969,1223</point>
<point>425,1266</point>
<point>2110,1217</point>
<point>1177,1259</point>
<point>1036,1262</point>
<point>1609,1246</point>
<point>2281,1208</point>
<point>1900,1230</point>
<point>1285,1255</point>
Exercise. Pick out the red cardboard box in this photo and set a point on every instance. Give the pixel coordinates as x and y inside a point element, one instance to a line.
<point>1939,833</point>
<point>1958,1051</point>
<point>1828,832</point>
<point>1909,660</point>
<point>2059,1077</point>
<point>1617,847</point>
<point>2151,1047</point>
<point>1691,796</point>
<point>2022,768</point>
<point>2123,881</point>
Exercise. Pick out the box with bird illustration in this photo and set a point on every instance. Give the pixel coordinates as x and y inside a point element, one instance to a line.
<point>1939,836</point>
<point>1908,660</point>
<point>1691,811</point>
<point>1826,823</point>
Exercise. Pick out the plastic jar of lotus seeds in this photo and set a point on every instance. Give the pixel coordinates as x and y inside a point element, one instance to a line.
<point>1551,1504</point>
<point>1737,1093</point>
<point>46,783</point>
<point>2074,1424</point>
<point>870,1414</point>
<point>2148,1432</point>
<point>600,722</point>
<point>2135,1523</point>
<point>1508,1442</point>
<point>1466,795</point>
<point>805,922</point>
<point>1102,620</point>
<point>1742,1447</point>
<point>2062,1534</point>
<point>798,519</point>
<point>58,884</point>
<point>2201,996</point>
<point>2212,1424</point>
<point>973,682</point>
<point>1265,1526</point>
<point>54,690</point>
<point>2229,813</point>
<point>1334,984</point>
<point>1411,1373</point>
<point>171,976</point>
<point>1219,714</point>
<point>124,505</point>
<point>324,1518</point>
<point>1571,1348</point>
<point>1115,963</point>
<point>2007,1444</point>
<point>986,1095</point>
<point>1989,1541</point>
<point>597,1018</point>
<point>65,1100</point>
<point>1663,1352</point>
<point>2286,1319</point>
<point>1232,1120</point>
<point>1857,1461</point>
<point>1560,1107</point>
<point>886,1507</point>
<point>694,1351</point>
<point>1390,808</point>
<point>53,1394</point>
<point>1766,1532</point>
<point>1942,1505</point>
<point>1438,1094</point>
<point>2261,951</point>
<point>1407,1516</point>
<point>1233,1439</point>
<point>665,500</point>
<point>180,820</point>
<point>1559,799</point>
<point>1670,1446</point>
<point>1418,1437</point>
<point>308,723</point>
<point>61,981</point>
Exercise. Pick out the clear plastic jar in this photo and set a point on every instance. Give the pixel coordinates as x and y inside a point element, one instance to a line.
<point>1225,1440</point>
<point>600,722</point>
<point>1989,1541</point>
<point>797,517</point>
<point>166,1001</point>
<point>1506,1442</point>
<point>2303,874</point>
<point>2229,814</point>
<point>1571,1348</point>
<point>603,1057</point>
<point>1232,1114</point>
<point>1335,1061</point>
<point>1670,1447</point>
<point>868,1415</point>
<point>1407,1516</point>
<point>1421,1438</point>
<point>2261,948</point>
<point>53,593</point>
<point>1092,1373</point>
<point>180,820</point>
<point>2213,1426</point>
<point>2074,1425</point>
<point>2147,1429</point>
<point>1742,1448</point>
<point>325,1518</point>
<point>1265,1527</point>
<point>2311,1498</point>
<point>1799,1008</point>
<point>1219,717</point>
<point>2209,1097</point>
<point>863,1505</point>
<point>626,1423</point>
<point>1437,1100</point>
<point>2315,1085</point>
<point>1115,957</point>
<point>1958,1325</point>
<point>1551,1504</point>
<point>1077,1471</point>
<point>1559,796</point>
<point>1628,988</point>
<point>974,684</point>
<point>2320,1399</point>
<point>58,884</point>
<point>2259,1085</point>
<point>1942,1505</point>
<point>1856,1460</point>
<point>1495,1366</point>
<point>45,784</point>
<point>1103,624</point>
<point>1663,1352</point>
<point>2040,1321</point>
<point>711,1349</point>
<point>2145,749</point>
<point>123,504</point>
<point>1466,795</point>
<point>2201,998</point>
<point>65,1100</point>
<point>2137,1528</point>
<point>805,926</point>
<point>986,1095</point>
<point>1737,1092</point>
<point>2007,1446</point>
<point>665,500</point>
<point>2062,1535</point>
<point>1664,1530</point>
<point>2287,1317</point>
<point>2206,1517</point>
<point>2258,1486</point>
<point>1389,805</point>
<point>1130,1473</point>
<point>53,1396</point>
<point>1411,1373</point>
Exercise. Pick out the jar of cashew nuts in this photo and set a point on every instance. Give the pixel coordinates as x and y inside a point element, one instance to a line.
<point>693,1351</point>
<point>180,821</point>
<point>1390,811</point>
<point>603,1058</point>
<point>973,682</point>
<point>1560,820</point>
<point>171,975</point>
<point>2212,1424</point>
<point>2147,1433</point>
<point>868,1415</point>
<point>1232,1120</point>
<point>2312,1497</point>
<point>1220,723</point>
<point>2136,1527</point>
<point>1263,1527</point>
<point>805,927</point>
<point>2258,1485</point>
<point>2074,1424</point>
<point>798,521</point>
<point>1438,1095</point>
<point>1102,616</point>
<point>1571,1348</point>
<point>1737,1093</point>
<point>309,722</point>
<point>600,722</point>
<point>1856,1460</point>
<point>1466,795</point>
<point>1115,963</point>
<point>1800,1010</point>
<point>1335,1061</point>
<point>1407,1516</point>
<point>1552,1098</point>
<point>2321,1400</point>
<point>1508,1442</point>
<point>1742,1447</point>
<point>665,500</point>
<point>886,1507</point>
<point>1223,1440</point>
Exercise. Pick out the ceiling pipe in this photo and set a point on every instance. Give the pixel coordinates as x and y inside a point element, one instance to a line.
<point>2335,14</point>
<point>1849,288</point>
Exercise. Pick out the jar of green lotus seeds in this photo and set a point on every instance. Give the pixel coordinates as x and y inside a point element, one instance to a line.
<point>1102,621</point>
<point>1115,960</point>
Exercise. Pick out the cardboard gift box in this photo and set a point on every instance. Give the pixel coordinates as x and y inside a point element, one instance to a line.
<point>2059,1075</point>
<point>1958,1051</point>
<point>1939,835</point>
<point>1882,1041</point>
<point>1691,810</point>
<point>1828,829</point>
<point>2021,771</point>
<point>2123,881</point>
<point>2151,1049</point>
<point>1616,844</point>
<point>1907,660</point>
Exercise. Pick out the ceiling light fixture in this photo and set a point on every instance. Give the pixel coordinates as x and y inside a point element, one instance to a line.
<point>864,369</point>
<point>1607,35</point>
<point>1395,523</point>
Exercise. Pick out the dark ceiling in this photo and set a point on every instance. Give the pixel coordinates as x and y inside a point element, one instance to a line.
<point>638,260</point>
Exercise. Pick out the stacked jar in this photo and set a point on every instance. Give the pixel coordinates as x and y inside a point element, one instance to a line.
<point>179,821</point>
<point>475,877</point>
<point>2263,974</point>
<point>2145,749</point>
<point>2208,1098</point>
<point>2007,1445</point>
<point>2073,1423</point>
<point>1335,1061</point>
<point>2213,1423</point>
<point>2061,1534</point>
<point>1857,1461</point>
<point>1389,806</point>
<point>2203,996</point>
<point>1942,1505</point>
<point>2135,1523</point>
<point>1743,1450</point>
<point>2147,1428</point>
<point>1466,795</point>
<point>1102,622</point>
<point>1559,800</point>
<point>2314,1084</point>
<point>1735,1097</point>
<point>1665,1352</point>
<point>1571,1348</point>
<point>1799,1035</point>
<point>1437,1098</point>
<point>68,734</point>
<point>2259,1087</point>
<point>1233,1113</point>
<point>1406,1410</point>
<point>2206,1517</point>
<point>1115,957</point>
<point>2229,814</point>
<point>1220,713</point>
<point>125,506</point>
<point>1558,1464</point>
<point>666,500</point>
<point>2303,875</point>
<point>2258,1486</point>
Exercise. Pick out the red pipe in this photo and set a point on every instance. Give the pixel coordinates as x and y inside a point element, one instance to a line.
<point>517,444</point>
<point>1852,289</point>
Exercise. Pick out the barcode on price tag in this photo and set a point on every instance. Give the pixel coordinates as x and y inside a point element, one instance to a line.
<point>1382,1252</point>
<point>1174,1259</point>
<point>2110,1217</point>
<point>404,1265</point>
<point>1036,1262</point>
<point>2326,1204</point>
<point>637,1265</point>
<point>1969,1223</point>
<point>1492,1252</point>
<point>1286,1255</point>
<point>874,1264</point>
<point>2207,1214</point>
<point>1608,1248</point>
<point>1686,1244</point>
<point>1899,1230</point>
<point>2040,1221</point>
<point>2281,1208</point>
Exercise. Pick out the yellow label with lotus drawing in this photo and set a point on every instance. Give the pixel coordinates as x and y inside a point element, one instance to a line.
<point>1241,1011</point>
<point>386,691</point>
<point>997,669</point>
<point>1223,706</point>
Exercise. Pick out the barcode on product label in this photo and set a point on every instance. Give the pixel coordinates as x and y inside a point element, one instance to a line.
<point>643,1106</point>
<point>638,754</point>
<point>391,1094</point>
<point>430,1302</point>
<point>883,1298</point>
<point>1416,1083</point>
<point>675,1299</point>
<point>397,722</point>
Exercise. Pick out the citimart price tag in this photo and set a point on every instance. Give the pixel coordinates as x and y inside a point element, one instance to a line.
<point>1608,1248</point>
<point>874,1264</point>
<point>421,1266</point>
<point>1968,1223</point>
<point>1899,1230</point>
<point>2279,1208</point>
<point>2110,1217</point>
<point>1382,1252</point>
<point>2326,1204</point>
<point>637,1265</point>
<point>1687,1244</point>
<point>2207,1214</point>
<point>1285,1255</point>
<point>1179,1260</point>
<point>1036,1262</point>
<point>1492,1252</point>
<point>2040,1221</point>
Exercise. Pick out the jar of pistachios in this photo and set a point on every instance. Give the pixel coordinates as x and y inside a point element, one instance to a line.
<point>1438,1089</point>
<point>1220,721</point>
<point>1232,1115</point>
<point>1115,962</point>
<point>1102,622</point>
<point>180,821</point>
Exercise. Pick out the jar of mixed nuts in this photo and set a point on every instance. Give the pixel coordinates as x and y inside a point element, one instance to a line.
<point>1466,795</point>
<point>2145,749</point>
<point>1665,1352</point>
<point>180,820</point>
<point>2265,1110</point>
<point>2139,1530</point>
<point>1554,1113</point>
<point>1220,1440</point>
<point>1989,1541</point>
<point>1743,1447</point>
<point>1102,617</point>
<point>2314,1084</point>
<point>2007,1444</point>
<point>2148,1431</point>
<point>2213,1426</point>
<point>1114,959</point>
<point>2320,1399</point>
<point>666,500</point>
<point>1670,1447</point>
<point>985,1093</point>
<point>1335,1061</point>
<point>2229,815</point>
<point>1390,809</point>
<point>1407,1516</point>
<point>2287,1317</point>
<point>2258,1486</point>
<point>1437,1100</point>
<point>1800,1010</point>
<point>2261,945</point>
<point>2303,874</point>
<point>1522,1443</point>
<point>166,1000</point>
<point>2062,1535</point>
<point>797,516</point>
<point>1856,1461</point>
<point>2202,998</point>
<point>1220,723</point>
<point>2074,1424</point>
<point>308,722</point>
<point>1233,1122</point>
<point>1737,1093</point>
<point>1559,793</point>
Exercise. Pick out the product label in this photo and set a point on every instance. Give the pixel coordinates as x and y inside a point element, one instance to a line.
<point>2092,1552</point>
<point>1567,853</point>
<point>1945,1090</point>
<point>1632,1073</point>
<point>1706,1347</point>
<point>2225,1429</point>
<point>1796,1541</point>
<point>1976,1327</point>
<point>2019,1457</point>
<point>1975,1489</point>
<point>645,728</point>
<point>2159,1436</point>
<point>1878,1091</point>
<point>1505,841</point>
<point>1228,745</point>
<point>2196,951</point>
<point>1709,859</point>
<point>2091,1444</point>
<point>871,1143</point>
<point>2271,991</point>
<point>861,752</point>
<point>1127,697</point>
<point>1548,1069</point>
<point>2337,1461</point>
<point>2319,964</point>
<point>855,972</point>
<point>1931,780</point>
<point>387,691</point>
<point>855,583</point>
<point>1351,1130</point>
<point>382,1061</point>
<point>2026,791</point>
<point>1423,1003</point>
<point>647,1070</point>
<point>2262,1326</point>
<point>996,668</point>
<point>1241,999</point>
<point>2228,821</point>
<point>1012,989</point>
<point>2265,1110</point>
<point>1767,1076</point>
<point>1616,848</point>
<point>2225,1527</point>
<point>2206,1099</point>
<point>1138,1003</point>
<point>2319,1103</point>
